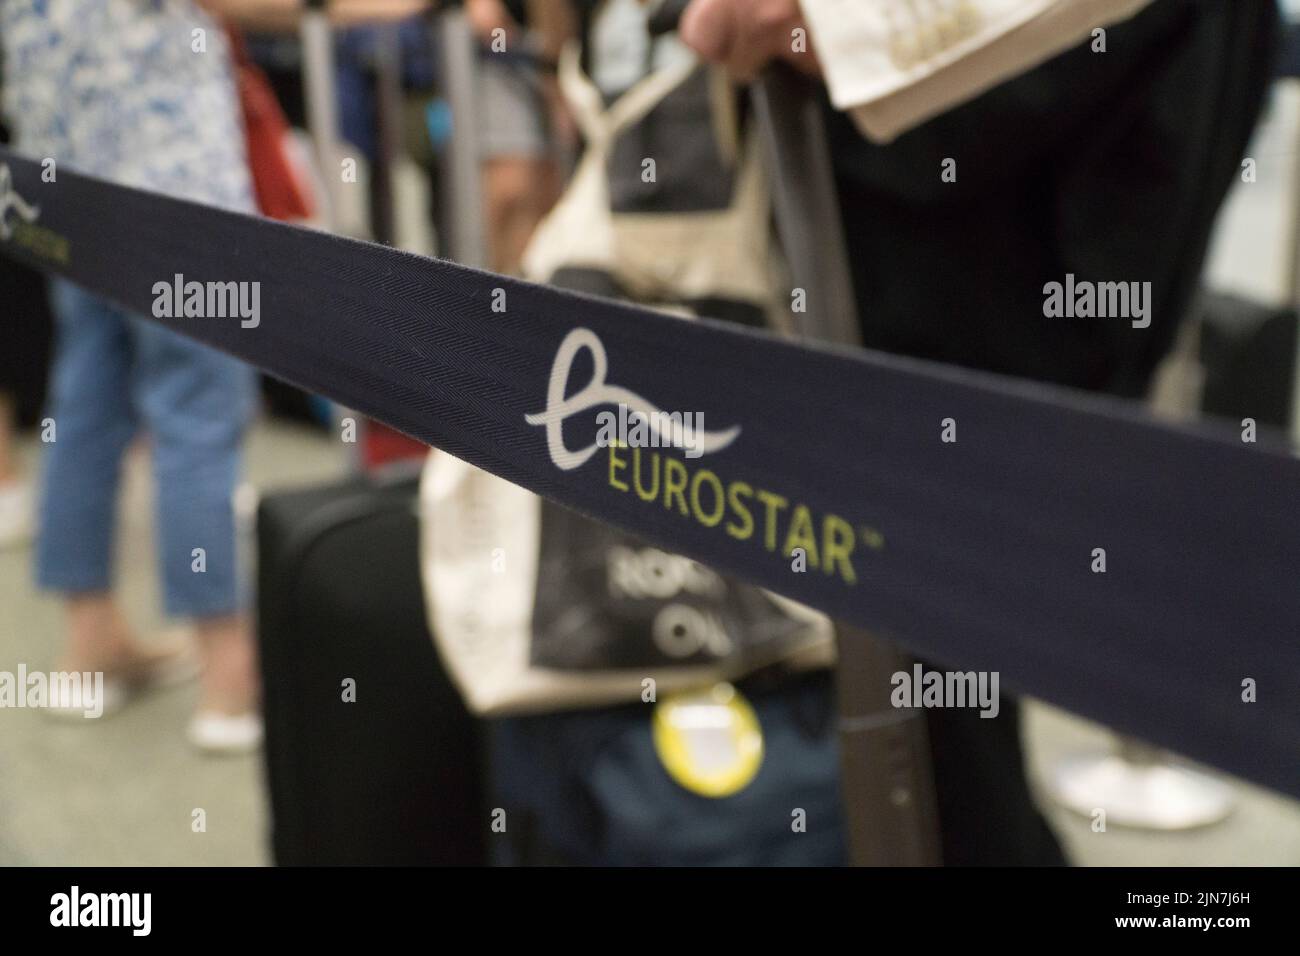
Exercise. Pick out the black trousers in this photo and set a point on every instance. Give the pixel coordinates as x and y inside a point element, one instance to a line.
<point>1111,166</point>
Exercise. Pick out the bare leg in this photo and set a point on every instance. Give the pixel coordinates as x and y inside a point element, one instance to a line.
<point>99,639</point>
<point>8,458</point>
<point>519,191</point>
<point>15,496</point>
<point>229,665</point>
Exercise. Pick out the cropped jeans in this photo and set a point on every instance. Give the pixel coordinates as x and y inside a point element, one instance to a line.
<point>116,374</point>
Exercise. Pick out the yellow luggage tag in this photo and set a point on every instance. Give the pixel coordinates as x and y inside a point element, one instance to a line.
<point>709,740</point>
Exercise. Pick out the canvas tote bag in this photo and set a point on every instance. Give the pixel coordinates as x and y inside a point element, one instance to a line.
<point>534,608</point>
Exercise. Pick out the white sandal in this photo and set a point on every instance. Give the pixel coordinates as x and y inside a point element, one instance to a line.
<point>216,733</point>
<point>166,671</point>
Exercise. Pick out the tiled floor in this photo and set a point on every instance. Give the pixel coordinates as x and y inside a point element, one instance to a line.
<point>124,789</point>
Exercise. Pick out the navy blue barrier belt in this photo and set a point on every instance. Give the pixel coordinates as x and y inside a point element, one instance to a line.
<point>980,553</point>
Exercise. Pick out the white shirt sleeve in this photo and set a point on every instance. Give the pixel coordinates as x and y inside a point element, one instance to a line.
<point>892,64</point>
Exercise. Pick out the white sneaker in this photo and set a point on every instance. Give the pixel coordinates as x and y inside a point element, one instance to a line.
<point>216,733</point>
<point>15,514</point>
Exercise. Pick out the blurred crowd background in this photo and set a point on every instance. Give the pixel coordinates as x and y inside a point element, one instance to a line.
<point>387,101</point>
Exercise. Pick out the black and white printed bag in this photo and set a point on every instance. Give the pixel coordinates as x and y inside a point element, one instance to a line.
<point>533,607</point>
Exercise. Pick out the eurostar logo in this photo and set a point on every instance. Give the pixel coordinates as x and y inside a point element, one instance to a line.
<point>661,428</point>
<point>741,511</point>
<point>10,200</point>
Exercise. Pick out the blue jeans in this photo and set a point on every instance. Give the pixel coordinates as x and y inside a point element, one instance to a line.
<point>115,373</point>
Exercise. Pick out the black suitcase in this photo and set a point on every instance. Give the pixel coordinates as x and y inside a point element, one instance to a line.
<point>394,777</point>
<point>29,340</point>
<point>1248,352</point>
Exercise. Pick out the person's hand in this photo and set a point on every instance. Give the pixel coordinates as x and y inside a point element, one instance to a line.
<point>285,14</point>
<point>485,16</point>
<point>745,35</point>
<point>346,12</point>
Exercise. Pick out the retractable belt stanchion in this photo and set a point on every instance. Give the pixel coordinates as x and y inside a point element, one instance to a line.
<point>887,778</point>
<point>388,116</point>
<point>1138,572</point>
<point>317,38</point>
<point>462,184</point>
